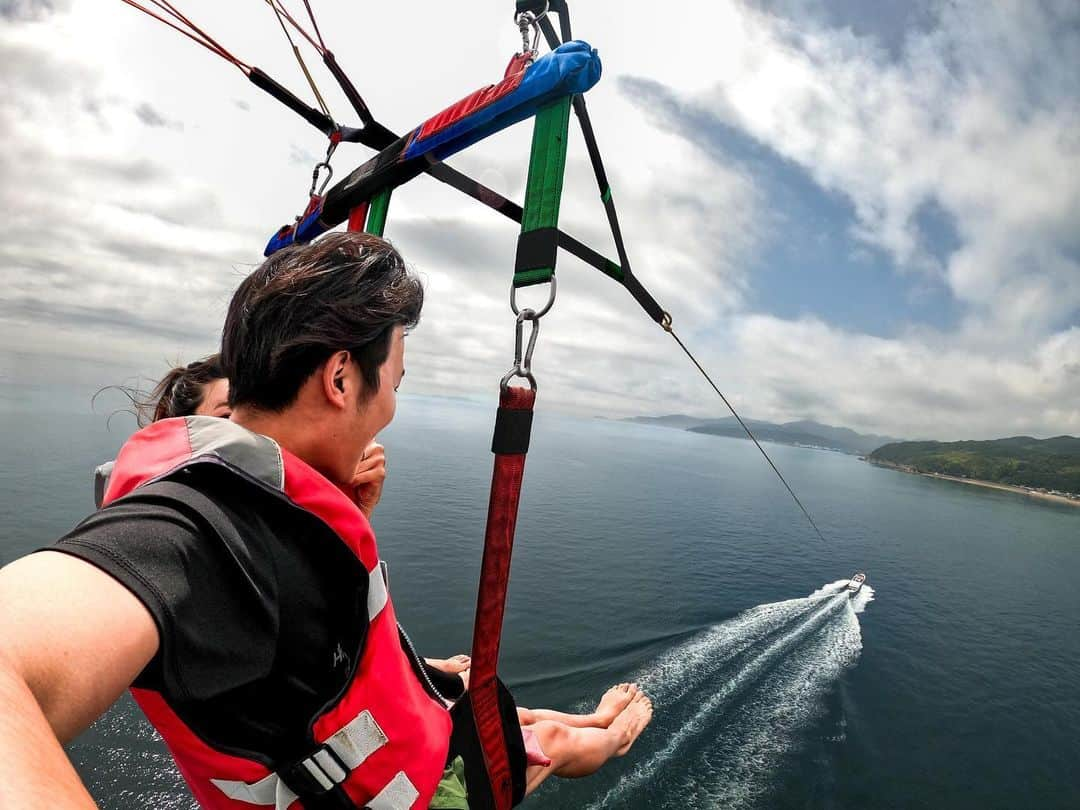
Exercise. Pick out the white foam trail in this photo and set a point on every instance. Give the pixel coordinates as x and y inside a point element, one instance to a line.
<point>859,601</point>
<point>752,671</point>
<point>692,663</point>
<point>767,728</point>
<point>864,597</point>
<point>831,589</point>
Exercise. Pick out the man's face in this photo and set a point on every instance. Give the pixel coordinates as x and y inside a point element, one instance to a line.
<point>355,420</point>
<point>379,410</point>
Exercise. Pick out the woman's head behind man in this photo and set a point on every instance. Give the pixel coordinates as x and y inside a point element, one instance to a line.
<point>197,389</point>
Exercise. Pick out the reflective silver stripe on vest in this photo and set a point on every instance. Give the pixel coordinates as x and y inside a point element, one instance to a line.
<point>377,595</point>
<point>262,792</point>
<point>351,745</point>
<point>399,794</point>
<point>101,481</point>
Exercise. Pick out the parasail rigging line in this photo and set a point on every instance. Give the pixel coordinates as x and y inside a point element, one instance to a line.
<point>299,58</point>
<point>283,13</point>
<point>195,33</point>
<point>582,113</point>
<point>379,139</point>
<point>314,24</point>
<point>749,433</point>
<point>317,118</point>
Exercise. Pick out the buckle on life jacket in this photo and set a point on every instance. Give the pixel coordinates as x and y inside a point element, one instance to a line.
<point>322,771</point>
<point>316,774</point>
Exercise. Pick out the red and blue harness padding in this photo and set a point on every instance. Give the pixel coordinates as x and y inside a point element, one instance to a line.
<point>570,69</point>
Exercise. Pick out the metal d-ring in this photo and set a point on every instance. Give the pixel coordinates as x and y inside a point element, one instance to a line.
<point>546,307</point>
<point>504,383</point>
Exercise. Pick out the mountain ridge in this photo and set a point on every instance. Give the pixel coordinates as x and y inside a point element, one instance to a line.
<point>802,432</point>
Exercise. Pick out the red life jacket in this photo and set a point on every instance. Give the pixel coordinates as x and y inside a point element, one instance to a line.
<point>384,743</point>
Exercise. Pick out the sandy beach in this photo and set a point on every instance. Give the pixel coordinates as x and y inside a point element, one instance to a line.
<point>1044,496</point>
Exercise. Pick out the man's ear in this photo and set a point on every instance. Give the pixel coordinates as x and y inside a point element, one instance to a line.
<point>334,374</point>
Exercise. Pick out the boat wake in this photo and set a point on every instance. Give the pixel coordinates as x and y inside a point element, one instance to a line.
<point>734,701</point>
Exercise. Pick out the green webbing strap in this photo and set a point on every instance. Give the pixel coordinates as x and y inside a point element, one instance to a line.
<point>376,218</point>
<point>538,242</point>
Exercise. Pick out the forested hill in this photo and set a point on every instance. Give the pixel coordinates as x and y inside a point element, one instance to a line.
<point>1051,464</point>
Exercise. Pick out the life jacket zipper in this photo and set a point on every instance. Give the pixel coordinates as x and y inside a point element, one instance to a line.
<point>420,666</point>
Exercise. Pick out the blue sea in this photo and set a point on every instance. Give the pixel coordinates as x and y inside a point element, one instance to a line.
<point>677,560</point>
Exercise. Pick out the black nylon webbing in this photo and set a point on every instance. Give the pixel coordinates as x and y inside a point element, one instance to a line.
<point>348,88</point>
<point>636,289</point>
<point>316,118</point>
<point>559,7</point>
<point>537,249</point>
<point>512,431</point>
<point>378,137</point>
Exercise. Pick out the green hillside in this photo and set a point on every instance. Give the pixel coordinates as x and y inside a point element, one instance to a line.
<point>1051,464</point>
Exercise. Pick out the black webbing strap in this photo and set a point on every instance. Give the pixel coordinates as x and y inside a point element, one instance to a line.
<point>378,137</point>
<point>511,210</point>
<point>513,427</point>
<point>525,6</point>
<point>537,248</point>
<point>318,119</point>
<point>559,7</point>
<point>349,89</point>
<point>633,286</point>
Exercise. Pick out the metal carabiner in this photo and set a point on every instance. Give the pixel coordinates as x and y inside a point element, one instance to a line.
<point>523,362</point>
<point>525,20</point>
<point>315,177</point>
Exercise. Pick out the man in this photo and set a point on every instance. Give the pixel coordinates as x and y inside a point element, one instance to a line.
<point>233,582</point>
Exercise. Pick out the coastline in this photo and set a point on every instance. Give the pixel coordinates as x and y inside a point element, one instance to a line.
<point>1044,496</point>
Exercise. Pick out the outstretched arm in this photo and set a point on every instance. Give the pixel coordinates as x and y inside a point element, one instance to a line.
<point>72,639</point>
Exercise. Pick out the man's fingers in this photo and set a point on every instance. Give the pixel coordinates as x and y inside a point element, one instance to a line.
<point>371,464</point>
<point>369,476</point>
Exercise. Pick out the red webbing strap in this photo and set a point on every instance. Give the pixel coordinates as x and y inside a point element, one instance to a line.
<point>513,424</point>
<point>358,217</point>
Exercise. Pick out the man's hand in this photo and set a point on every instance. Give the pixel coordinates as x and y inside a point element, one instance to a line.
<point>367,482</point>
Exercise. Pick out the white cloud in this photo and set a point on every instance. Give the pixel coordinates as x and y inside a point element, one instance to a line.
<point>159,217</point>
<point>918,388</point>
<point>123,238</point>
<point>979,118</point>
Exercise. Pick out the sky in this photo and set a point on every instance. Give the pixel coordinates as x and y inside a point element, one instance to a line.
<point>867,214</point>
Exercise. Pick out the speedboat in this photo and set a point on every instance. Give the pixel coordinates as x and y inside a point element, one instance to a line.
<point>856,583</point>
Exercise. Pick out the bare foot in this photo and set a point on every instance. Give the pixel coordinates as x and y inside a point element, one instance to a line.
<point>632,721</point>
<point>613,702</point>
<point>454,664</point>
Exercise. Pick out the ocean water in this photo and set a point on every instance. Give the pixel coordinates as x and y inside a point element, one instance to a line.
<point>677,560</point>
